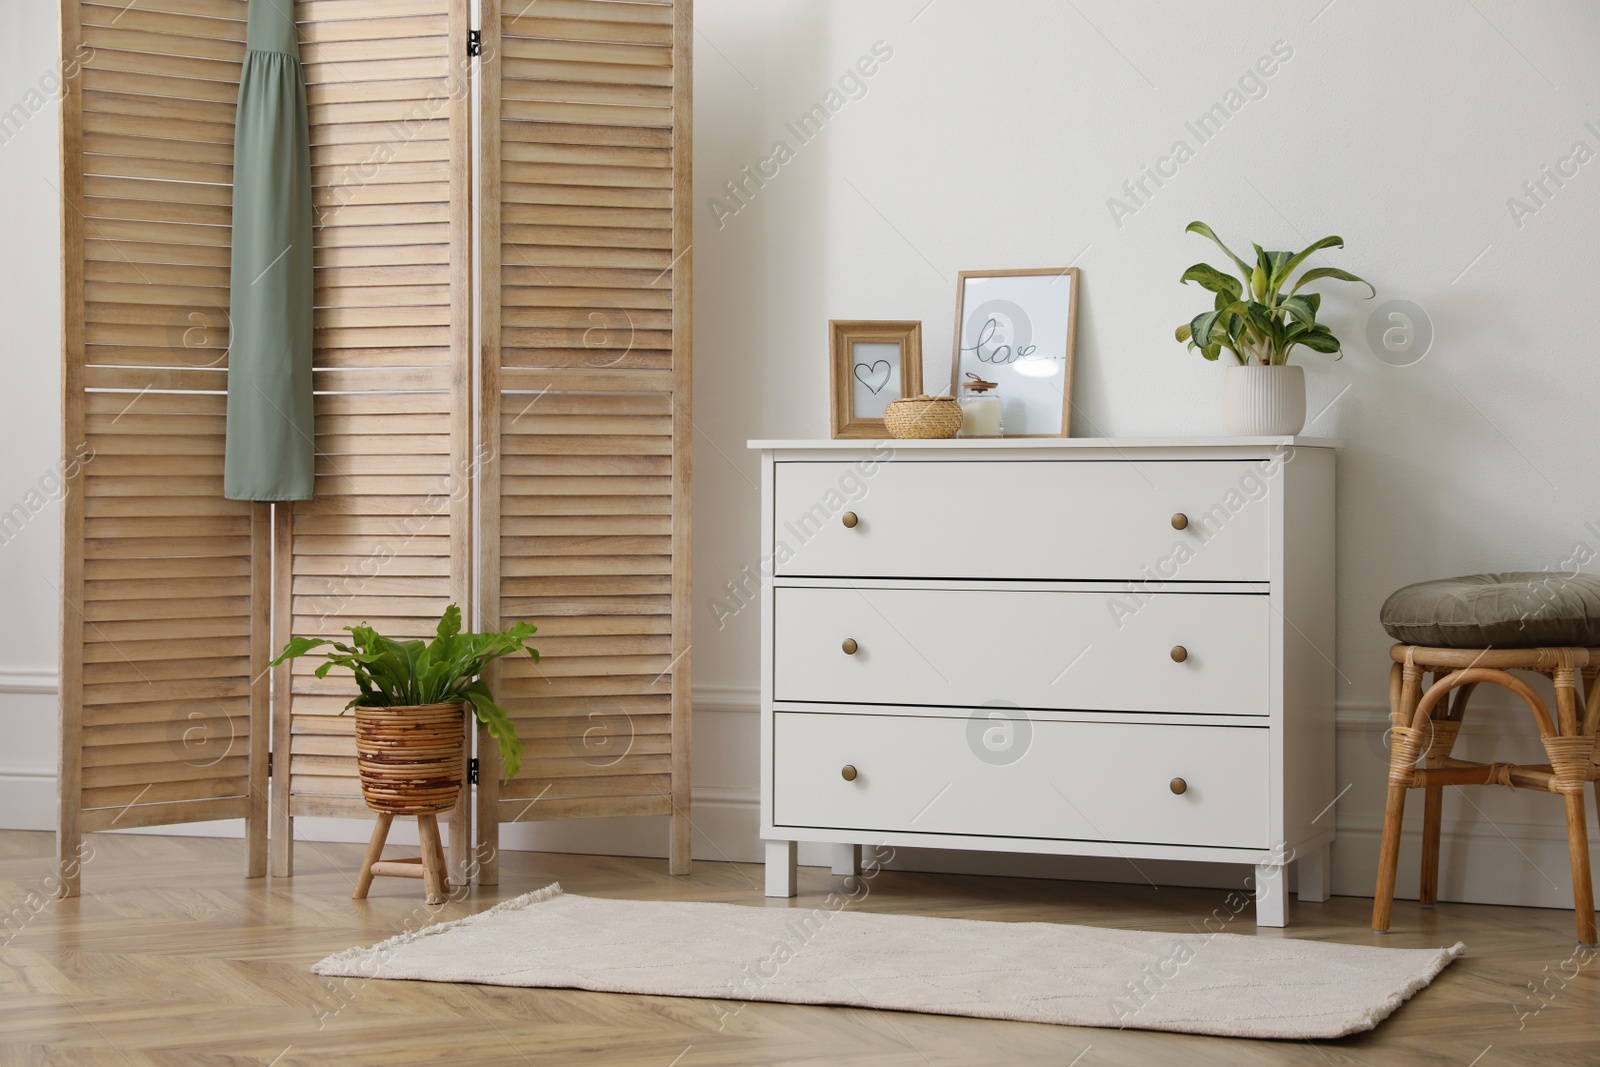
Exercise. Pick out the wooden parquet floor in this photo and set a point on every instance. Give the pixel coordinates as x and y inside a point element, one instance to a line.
<point>171,957</point>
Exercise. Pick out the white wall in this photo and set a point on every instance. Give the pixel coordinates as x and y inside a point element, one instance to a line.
<point>995,136</point>
<point>30,427</point>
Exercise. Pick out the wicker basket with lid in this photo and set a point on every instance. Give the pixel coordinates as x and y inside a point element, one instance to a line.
<point>923,417</point>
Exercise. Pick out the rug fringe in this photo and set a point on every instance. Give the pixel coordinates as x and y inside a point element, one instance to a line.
<point>1391,1004</point>
<point>360,955</point>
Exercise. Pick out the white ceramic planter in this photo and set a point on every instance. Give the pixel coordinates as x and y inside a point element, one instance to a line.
<point>1264,401</point>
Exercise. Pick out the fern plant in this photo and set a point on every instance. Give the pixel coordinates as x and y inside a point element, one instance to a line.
<point>392,674</point>
<point>1252,316</point>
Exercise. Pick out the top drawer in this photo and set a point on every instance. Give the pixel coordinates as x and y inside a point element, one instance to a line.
<point>1075,520</point>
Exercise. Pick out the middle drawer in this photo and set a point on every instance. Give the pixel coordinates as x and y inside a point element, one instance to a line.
<point>1201,653</point>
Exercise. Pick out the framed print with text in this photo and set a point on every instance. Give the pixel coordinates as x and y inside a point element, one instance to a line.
<point>1017,328</point>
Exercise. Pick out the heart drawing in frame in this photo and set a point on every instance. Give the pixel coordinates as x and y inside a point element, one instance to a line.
<point>871,376</point>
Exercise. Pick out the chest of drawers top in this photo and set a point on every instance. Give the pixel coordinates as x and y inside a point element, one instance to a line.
<point>1057,445</point>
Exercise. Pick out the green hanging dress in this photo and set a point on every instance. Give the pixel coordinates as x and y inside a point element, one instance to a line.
<point>269,454</point>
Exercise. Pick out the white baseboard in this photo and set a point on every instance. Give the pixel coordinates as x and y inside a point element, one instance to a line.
<point>1474,868</point>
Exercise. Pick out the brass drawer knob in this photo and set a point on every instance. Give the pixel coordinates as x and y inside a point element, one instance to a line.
<point>850,647</point>
<point>1178,787</point>
<point>1180,521</point>
<point>848,773</point>
<point>1179,653</point>
<point>850,519</point>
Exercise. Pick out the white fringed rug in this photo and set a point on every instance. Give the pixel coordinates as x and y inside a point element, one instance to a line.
<point>1224,984</point>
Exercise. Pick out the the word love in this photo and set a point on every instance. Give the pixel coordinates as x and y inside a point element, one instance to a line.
<point>1002,353</point>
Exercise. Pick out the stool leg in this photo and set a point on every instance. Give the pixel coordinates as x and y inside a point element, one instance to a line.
<point>1596,784</point>
<point>432,868</point>
<point>1405,691</point>
<point>1388,858</point>
<point>380,834</point>
<point>1571,724</point>
<point>1432,803</point>
<point>1582,889</point>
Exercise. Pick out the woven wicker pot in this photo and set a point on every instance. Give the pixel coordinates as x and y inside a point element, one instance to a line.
<point>411,758</point>
<point>923,417</point>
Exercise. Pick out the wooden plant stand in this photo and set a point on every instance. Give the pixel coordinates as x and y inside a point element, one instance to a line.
<point>430,866</point>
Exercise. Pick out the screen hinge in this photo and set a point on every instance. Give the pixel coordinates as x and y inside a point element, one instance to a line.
<point>474,42</point>
<point>472,771</point>
<point>269,764</point>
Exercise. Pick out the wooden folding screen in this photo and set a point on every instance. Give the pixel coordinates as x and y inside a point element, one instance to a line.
<point>387,539</point>
<point>576,497</point>
<point>165,584</point>
<point>584,266</point>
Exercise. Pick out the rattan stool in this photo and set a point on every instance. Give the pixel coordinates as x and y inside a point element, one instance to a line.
<point>1424,724</point>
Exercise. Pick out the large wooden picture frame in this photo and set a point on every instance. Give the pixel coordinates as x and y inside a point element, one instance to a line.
<point>1019,328</point>
<point>864,375</point>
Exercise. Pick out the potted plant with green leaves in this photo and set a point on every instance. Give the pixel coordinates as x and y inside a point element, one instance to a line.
<point>411,704</point>
<point>1260,321</point>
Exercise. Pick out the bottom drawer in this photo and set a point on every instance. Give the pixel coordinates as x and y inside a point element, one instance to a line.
<point>1001,777</point>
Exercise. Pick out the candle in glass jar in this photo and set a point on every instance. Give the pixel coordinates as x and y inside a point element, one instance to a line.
<point>980,409</point>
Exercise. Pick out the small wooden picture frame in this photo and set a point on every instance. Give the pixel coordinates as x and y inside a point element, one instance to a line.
<point>1018,328</point>
<point>871,363</point>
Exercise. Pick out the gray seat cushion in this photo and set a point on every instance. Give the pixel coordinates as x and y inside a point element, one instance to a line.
<point>1521,609</point>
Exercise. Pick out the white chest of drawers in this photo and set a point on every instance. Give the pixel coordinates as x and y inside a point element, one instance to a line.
<point>1082,647</point>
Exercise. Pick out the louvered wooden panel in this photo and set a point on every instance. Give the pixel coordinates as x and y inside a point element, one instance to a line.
<point>165,586</point>
<point>386,541</point>
<point>166,623</point>
<point>584,267</point>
